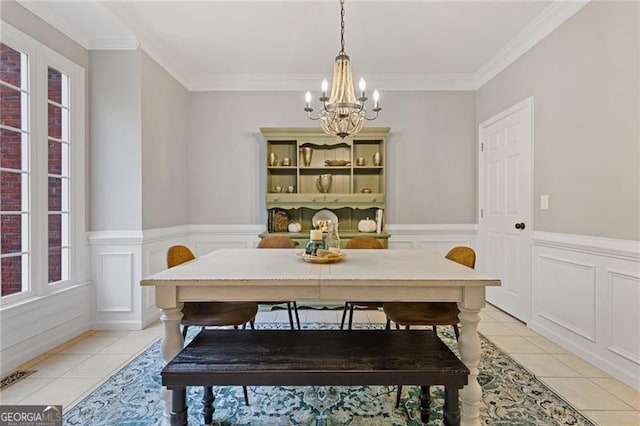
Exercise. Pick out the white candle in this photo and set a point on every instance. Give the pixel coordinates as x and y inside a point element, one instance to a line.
<point>315,235</point>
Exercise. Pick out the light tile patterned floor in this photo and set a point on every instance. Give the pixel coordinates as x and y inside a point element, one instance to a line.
<point>68,373</point>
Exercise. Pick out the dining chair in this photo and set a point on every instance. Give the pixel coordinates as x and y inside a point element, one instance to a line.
<point>360,243</point>
<point>211,314</point>
<point>430,313</point>
<point>281,241</point>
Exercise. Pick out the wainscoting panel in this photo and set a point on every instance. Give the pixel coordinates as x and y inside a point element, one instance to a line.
<point>623,296</point>
<point>114,273</point>
<point>586,298</point>
<point>562,281</point>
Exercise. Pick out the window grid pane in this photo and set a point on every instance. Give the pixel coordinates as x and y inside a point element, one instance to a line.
<point>58,178</point>
<point>13,274</point>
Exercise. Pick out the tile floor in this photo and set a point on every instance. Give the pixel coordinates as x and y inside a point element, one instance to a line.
<point>68,373</point>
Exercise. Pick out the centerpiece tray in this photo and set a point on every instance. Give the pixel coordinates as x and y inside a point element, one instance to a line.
<point>325,256</point>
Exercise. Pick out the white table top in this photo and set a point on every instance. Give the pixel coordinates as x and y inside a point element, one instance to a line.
<point>263,267</point>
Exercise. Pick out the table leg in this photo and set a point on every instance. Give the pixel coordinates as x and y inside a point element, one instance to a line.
<point>470,351</point>
<point>172,343</point>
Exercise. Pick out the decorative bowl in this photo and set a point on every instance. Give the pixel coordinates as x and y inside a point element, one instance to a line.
<point>325,256</point>
<point>337,163</point>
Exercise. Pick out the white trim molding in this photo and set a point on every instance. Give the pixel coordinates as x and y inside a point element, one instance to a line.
<point>586,298</point>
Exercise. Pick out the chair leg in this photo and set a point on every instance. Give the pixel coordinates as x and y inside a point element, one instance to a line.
<point>184,331</point>
<point>456,331</point>
<point>290,316</point>
<point>235,327</point>
<point>398,396</point>
<point>435,329</point>
<point>246,396</point>
<point>344,315</point>
<point>207,404</point>
<point>425,404</point>
<point>388,325</point>
<point>295,311</point>
<point>351,308</point>
<point>252,324</point>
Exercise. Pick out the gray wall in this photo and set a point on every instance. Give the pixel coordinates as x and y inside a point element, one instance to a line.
<point>116,156</point>
<point>584,78</point>
<point>430,154</point>
<point>165,148</point>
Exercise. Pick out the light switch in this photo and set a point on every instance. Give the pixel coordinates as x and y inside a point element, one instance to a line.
<point>544,202</point>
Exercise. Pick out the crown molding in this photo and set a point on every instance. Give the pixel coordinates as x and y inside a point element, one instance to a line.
<point>55,21</point>
<point>300,82</point>
<point>551,18</point>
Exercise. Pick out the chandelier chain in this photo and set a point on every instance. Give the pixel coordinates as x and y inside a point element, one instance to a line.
<point>342,52</point>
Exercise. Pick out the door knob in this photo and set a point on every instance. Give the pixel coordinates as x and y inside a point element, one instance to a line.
<point>520,226</point>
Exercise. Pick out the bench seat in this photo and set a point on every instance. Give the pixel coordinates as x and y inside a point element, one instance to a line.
<point>315,358</point>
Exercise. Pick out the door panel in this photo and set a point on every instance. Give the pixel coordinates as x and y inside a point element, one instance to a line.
<point>505,200</point>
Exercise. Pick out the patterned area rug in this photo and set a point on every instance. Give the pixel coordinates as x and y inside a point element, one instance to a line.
<point>511,396</point>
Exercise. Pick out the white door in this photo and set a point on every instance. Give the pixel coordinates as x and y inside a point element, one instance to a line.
<point>505,207</point>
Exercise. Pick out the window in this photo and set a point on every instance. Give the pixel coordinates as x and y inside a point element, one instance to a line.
<point>14,172</point>
<point>41,168</point>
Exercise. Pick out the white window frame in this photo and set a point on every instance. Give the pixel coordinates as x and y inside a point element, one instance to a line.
<point>40,58</point>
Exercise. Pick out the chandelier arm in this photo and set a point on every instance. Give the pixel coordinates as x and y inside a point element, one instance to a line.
<point>372,117</point>
<point>311,117</point>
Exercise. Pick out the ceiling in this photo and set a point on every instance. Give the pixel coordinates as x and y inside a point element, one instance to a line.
<point>291,44</point>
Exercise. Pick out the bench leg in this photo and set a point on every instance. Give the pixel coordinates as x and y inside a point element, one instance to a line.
<point>425,404</point>
<point>178,413</point>
<point>451,411</point>
<point>207,405</point>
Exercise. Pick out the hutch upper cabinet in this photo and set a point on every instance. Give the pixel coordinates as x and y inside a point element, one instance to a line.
<point>308,171</point>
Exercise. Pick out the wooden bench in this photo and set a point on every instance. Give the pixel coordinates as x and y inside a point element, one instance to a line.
<point>315,358</point>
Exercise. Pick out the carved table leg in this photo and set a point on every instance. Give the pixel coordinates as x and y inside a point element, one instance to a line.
<point>425,404</point>
<point>470,351</point>
<point>451,411</point>
<point>171,344</point>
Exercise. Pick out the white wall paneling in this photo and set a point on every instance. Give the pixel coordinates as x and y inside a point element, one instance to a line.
<point>207,238</point>
<point>436,238</point>
<point>586,297</point>
<point>114,274</point>
<point>33,328</point>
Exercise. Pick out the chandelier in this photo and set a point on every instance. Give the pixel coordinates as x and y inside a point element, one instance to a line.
<point>342,114</point>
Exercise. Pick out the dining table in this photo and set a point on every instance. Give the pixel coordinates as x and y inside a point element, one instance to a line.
<point>394,275</point>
